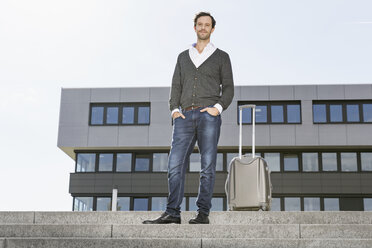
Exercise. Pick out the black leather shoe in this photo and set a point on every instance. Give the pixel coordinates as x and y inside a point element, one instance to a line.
<point>164,219</point>
<point>200,219</point>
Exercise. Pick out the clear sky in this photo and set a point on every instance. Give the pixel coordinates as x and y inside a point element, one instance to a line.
<point>46,45</point>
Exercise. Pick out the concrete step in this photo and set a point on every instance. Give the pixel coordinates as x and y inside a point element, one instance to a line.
<point>181,243</point>
<point>216,218</point>
<point>312,231</point>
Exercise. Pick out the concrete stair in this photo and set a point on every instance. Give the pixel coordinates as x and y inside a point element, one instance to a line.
<point>227,229</point>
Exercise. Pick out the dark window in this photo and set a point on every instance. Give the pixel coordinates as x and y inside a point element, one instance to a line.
<point>128,115</point>
<point>103,203</point>
<point>123,204</point>
<point>140,204</point>
<point>86,162</point>
<point>97,116</point>
<point>329,161</point>
<point>319,113</point>
<point>291,162</point>
<point>352,113</point>
<point>120,114</point>
<point>160,162</point>
<point>292,204</point>
<point>143,115</point>
<point>294,113</point>
<point>336,112</point>
<point>331,204</point>
<point>367,112</point>
<point>277,114</point>
<point>310,161</point>
<point>311,204</point>
<point>123,162</point>
<point>349,161</point>
<point>142,162</point>
<point>105,162</point>
<point>275,204</point>
<point>366,160</point>
<point>112,115</point>
<point>83,203</point>
<point>261,114</point>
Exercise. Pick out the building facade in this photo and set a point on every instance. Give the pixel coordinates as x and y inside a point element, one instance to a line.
<point>317,140</point>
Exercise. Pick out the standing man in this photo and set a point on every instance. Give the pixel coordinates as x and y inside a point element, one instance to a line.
<point>202,87</point>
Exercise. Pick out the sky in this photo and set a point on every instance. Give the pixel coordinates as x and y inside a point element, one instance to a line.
<point>46,45</point>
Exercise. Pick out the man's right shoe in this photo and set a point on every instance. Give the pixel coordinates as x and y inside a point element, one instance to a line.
<point>165,218</point>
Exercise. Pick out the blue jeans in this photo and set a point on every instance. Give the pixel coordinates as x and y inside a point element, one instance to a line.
<point>204,128</point>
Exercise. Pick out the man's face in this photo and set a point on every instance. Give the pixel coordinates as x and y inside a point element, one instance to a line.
<point>204,28</point>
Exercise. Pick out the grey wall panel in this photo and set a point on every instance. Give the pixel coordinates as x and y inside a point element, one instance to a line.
<point>74,114</point>
<point>332,135</point>
<point>366,183</point>
<point>359,134</point>
<point>252,93</point>
<point>306,135</point>
<point>291,183</point>
<point>160,94</point>
<point>123,181</point>
<point>328,92</point>
<point>105,95</point>
<point>311,183</point>
<point>159,183</point>
<point>130,136</point>
<point>350,183</point>
<point>135,94</point>
<point>75,95</point>
<point>331,183</point>
<point>282,135</point>
<point>229,135</point>
<point>276,181</point>
<point>363,91</point>
<point>73,136</point>
<point>305,92</point>
<point>230,116</point>
<point>307,112</point>
<point>262,135</point>
<point>103,136</point>
<point>219,186</point>
<point>192,183</point>
<point>160,135</point>
<point>160,113</point>
<point>82,183</point>
<point>237,93</point>
<point>281,92</point>
<point>104,183</point>
<point>141,183</point>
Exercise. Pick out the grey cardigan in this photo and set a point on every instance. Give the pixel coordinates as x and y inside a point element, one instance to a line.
<point>210,83</point>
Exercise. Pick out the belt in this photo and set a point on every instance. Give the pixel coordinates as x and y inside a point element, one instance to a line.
<point>191,108</point>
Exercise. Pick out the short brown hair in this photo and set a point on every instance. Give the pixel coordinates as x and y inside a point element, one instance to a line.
<point>200,14</point>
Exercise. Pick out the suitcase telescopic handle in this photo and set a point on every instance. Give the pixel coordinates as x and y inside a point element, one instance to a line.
<point>253,107</point>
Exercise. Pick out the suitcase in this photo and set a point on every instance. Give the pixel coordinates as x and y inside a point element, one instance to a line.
<point>248,185</point>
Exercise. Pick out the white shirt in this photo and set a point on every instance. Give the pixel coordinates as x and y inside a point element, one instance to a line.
<point>198,59</point>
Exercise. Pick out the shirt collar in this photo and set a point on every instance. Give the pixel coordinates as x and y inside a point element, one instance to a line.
<point>209,46</point>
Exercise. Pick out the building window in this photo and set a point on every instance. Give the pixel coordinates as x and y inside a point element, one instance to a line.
<point>86,162</point>
<point>366,160</point>
<point>192,204</point>
<point>329,161</point>
<point>217,204</point>
<point>160,162</point>
<point>331,204</point>
<point>140,204</point>
<point>342,111</point>
<point>367,202</point>
<point>219,162</point>
<point>142,162</point>
<point>292,204</point>
<point>158,203</point>
<point>195,163</point>
<point>291,162</point>
<point>120,114</point>
<point>311,204</point>
<point>123,204</point>
<point>83,203</point>
<point>349,161</point>
<point>103,204</point>
<point>124,162</point>
<point>310,161</point>
<point>229,158</point>
<point>105,162</point>
<point>273,161</point>
<point>97,116</point>
<point>275,204</point>
<point>273,112</point>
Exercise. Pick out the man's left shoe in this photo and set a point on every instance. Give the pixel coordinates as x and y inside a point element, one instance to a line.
<point>200,219</point>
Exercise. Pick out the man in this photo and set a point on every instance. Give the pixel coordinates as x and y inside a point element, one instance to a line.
<point>202,87</point>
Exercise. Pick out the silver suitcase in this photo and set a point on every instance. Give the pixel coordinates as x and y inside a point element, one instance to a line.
<point>248,185</point>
